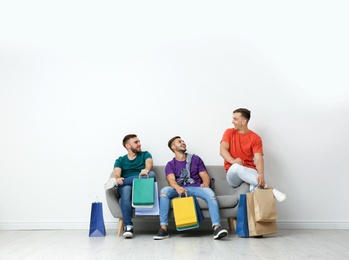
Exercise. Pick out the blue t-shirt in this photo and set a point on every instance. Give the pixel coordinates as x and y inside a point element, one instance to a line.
<point>132,167</point>
<point>196,166</point>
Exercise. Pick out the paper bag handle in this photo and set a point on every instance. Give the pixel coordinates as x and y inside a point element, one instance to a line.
<point>186,194</point>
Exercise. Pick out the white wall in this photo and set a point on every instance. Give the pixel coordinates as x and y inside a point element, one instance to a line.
<point>76,76</point>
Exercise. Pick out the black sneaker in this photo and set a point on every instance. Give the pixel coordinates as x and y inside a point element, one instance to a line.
<point>162,234</point>
<point>219,233</point>
<point>128,233</point>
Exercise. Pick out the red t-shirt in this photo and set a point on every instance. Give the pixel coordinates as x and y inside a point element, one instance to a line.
<point>242,146</point>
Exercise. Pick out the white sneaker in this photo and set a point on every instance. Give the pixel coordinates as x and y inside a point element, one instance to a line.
<point>110,184</point>
<point>279,196</point>
<point>252,187</point>
<point>128,232</point>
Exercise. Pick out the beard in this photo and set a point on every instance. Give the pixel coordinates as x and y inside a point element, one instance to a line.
<point>136,150</point>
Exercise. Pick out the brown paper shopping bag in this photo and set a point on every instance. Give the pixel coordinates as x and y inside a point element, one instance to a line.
<point>257,228</point>
<point>264,205</point>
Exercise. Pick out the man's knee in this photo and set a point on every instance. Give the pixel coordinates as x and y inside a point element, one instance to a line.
<point>210,194</point>
<point>234,168</point>
<point>165,190</point>
<point>152,174</point>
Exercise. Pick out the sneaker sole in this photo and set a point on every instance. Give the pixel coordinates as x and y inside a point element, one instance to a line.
<point>280,199</point>
<point>221,234</point>
<point>127,235</point>
<point>109,186</point>
<point>160,238</point>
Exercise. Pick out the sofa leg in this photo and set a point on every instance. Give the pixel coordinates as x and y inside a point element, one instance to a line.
<point>121,226</point>
<point>232,223</point>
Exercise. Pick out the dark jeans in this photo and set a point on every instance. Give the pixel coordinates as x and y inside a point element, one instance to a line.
<point>125,192</point>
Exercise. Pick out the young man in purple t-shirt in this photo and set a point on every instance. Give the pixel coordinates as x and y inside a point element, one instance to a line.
<point>194,184</point>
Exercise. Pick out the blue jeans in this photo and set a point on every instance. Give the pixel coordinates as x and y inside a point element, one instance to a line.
<point>125,192</point>
<point>168,193</point>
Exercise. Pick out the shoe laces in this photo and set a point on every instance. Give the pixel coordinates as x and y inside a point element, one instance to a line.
<point>128,228</point>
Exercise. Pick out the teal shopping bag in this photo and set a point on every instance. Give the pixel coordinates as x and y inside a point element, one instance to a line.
<point>143,192</point>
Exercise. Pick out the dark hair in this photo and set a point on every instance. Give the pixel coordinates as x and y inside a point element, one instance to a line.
<point>171,141</point>
<point>244,113</point>
<point>126,138</point>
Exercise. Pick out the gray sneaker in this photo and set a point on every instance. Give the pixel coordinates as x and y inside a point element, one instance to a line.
<point>162,234</point>
<point>219,233</point>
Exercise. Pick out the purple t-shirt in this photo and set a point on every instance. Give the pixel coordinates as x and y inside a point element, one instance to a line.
<point>196,166</point>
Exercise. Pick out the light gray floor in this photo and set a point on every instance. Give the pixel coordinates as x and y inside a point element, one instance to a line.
<point>194,244</point>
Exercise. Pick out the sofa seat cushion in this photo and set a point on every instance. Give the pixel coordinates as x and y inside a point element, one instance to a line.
<point>224,201</point>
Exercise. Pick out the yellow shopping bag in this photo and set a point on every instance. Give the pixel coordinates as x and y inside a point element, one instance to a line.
<point>185,213</point>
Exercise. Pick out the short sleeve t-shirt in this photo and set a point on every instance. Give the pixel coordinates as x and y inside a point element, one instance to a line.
<point>132,167</point>
<point>242,146</point>
<point>196,166</point>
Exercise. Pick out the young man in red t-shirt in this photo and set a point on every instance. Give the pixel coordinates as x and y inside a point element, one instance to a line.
<point>242,151</point>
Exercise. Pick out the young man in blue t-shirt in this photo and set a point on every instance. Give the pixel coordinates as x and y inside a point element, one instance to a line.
<point>126,168</point>
<point>196,183</point>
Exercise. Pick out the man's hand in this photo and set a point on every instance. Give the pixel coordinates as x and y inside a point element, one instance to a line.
<point>180,190</point>
<point>261,182</point>
<point>204,185</point>
<point>120,180</point>
<point>239,161</point>
<point>144,172</point>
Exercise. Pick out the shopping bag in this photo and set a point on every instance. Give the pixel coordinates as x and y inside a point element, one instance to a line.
<point>264,205</point>
<point>155,210</point>
<point>242,220</point>
<point>143,192</point>
<point>199,214</point>
<point>97,228</point>
<point>184,213</point>
<point>257,228</point>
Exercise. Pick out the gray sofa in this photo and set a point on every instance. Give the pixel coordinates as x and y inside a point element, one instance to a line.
<point>227,197</point>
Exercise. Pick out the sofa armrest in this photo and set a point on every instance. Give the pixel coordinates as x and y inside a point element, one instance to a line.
<point>113,203</point>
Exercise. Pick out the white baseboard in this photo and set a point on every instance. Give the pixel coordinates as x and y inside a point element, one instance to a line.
<point>282,224</point>
<point>285,224</point>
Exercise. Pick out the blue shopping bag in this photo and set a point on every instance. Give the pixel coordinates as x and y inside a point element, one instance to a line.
<point>242,219</point>
<point>198,210</point>
<point>97,228</point>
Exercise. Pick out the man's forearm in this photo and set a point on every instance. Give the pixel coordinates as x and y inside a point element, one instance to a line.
<point>227,156</point>
<point>149,164</point>
<point>173,184</point>
<point>205,177</point>
<point>117,173</point>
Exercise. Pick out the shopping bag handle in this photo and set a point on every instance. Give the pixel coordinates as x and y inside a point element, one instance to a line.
<point>186,194</point>
<point>258,187</point>
<point>140,176</point>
